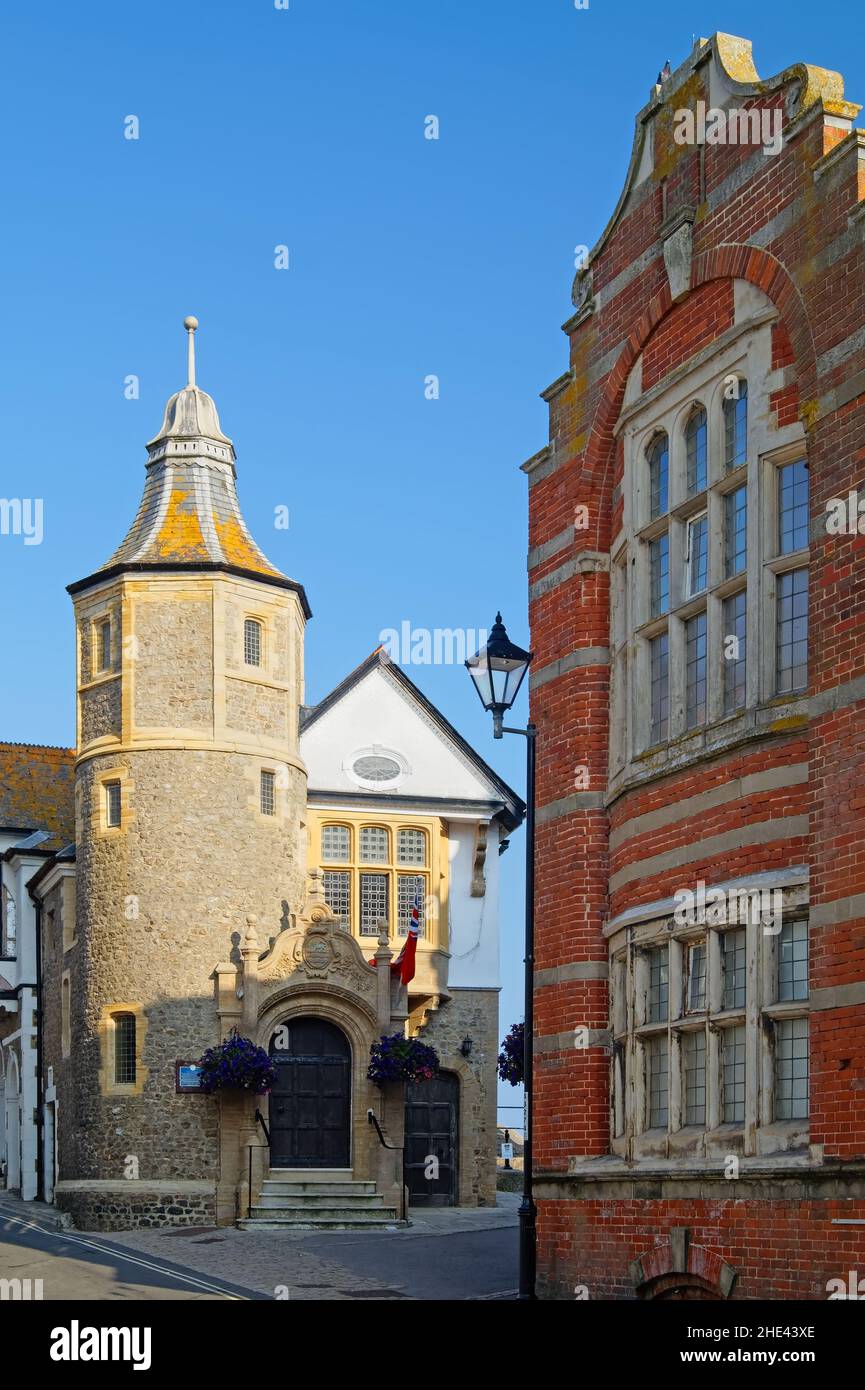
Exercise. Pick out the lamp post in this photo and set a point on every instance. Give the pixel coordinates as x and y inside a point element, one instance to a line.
<point>498,670</point>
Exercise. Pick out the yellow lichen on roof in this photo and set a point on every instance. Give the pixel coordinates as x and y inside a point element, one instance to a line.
<point>238,549</point>
<point>180,536</point>
<point>37,791</point>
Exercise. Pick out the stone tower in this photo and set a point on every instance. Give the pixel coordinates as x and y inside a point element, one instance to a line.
<point>190,811</point>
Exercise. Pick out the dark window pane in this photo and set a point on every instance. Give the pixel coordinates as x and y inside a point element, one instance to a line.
<point>735,531</point>
<point>736,428</point>
<point>792,631</point>
<point>659,476</point>
<point>659,567</point>
<point>695,450</point>
<point>124,1048</point>
<point>735,641</point>
<point>660,678</point>
<point>792,507</point>
<point>695,670</point>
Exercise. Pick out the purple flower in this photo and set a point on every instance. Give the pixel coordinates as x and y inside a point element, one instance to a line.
<point>511,1066</point>
<point>398,1058</point>
<point>237,1064</point>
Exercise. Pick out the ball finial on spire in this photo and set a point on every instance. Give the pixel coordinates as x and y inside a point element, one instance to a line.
<point>190,323</point>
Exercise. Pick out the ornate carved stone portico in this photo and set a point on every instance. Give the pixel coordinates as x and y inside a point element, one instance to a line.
<point>313,969</point>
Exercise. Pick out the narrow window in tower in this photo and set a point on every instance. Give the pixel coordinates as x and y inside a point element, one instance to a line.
<point>252,643</point>
<point>124,1049</point>
<point>267,795</point>
<point>105,645</point>
<point>65,1016</point>
<point>113,809</point>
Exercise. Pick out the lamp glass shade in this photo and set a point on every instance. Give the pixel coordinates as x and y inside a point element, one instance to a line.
<point>498,669</point>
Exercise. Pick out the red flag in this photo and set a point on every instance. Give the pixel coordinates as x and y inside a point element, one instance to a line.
<point>404,965</point>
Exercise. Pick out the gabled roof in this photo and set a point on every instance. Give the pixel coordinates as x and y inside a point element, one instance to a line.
<point>37,793</point>
<point>732,74</point>
<point>514,807</point>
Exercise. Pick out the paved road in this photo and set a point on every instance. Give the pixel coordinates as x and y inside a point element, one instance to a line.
<point>451,1254</point>
<point>74,1265</point>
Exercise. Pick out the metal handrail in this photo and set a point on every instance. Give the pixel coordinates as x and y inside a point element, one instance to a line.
<point>261,1120</point>
<point>371,1119</point>
<point>249,1149</point>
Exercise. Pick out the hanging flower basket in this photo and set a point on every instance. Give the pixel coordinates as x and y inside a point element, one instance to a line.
<point>237,1065</point>
<point>397,1058</point>
<point>511,1065</point>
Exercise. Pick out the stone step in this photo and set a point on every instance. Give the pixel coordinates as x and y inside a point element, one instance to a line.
<point>385,1218</point>
<point>315,1201</point>
<point>310,1175</point>
<point>316,1189</point>
<point>335,1212</point>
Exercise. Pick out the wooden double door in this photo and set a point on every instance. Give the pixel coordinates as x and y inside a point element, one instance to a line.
<point>310,1104</point>
<point>432,1140</point>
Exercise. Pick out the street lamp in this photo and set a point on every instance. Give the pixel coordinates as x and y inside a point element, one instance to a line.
<point>498,670</point>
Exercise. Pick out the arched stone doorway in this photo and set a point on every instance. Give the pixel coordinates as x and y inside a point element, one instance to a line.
<point>310,1104</point>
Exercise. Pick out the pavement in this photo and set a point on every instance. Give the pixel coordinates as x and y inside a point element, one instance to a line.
<point>447,1253</point>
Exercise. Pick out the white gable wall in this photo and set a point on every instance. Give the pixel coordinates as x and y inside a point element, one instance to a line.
<point>376,714</point>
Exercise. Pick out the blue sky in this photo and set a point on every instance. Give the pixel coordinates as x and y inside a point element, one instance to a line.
<point>408,257</point>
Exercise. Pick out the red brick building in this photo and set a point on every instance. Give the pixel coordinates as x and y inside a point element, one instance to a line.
<point>697,599</point>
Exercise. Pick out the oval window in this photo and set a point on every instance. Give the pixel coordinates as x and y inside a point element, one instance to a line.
<point>375,768</point>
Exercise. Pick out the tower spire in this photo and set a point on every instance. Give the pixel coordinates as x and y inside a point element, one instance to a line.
<point>190,323</point>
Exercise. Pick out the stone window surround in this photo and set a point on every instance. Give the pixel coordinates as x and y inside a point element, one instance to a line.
<point>65,1014</point>
<point>281,785</point>
<point>108,611</point>
<point>747,355</point>
<point>263,672</point>
<point>107,1084</point>
<point>760,1133</point>
<point>98,802</point>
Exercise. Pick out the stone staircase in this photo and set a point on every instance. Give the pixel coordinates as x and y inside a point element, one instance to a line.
<point>313,1199</point>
